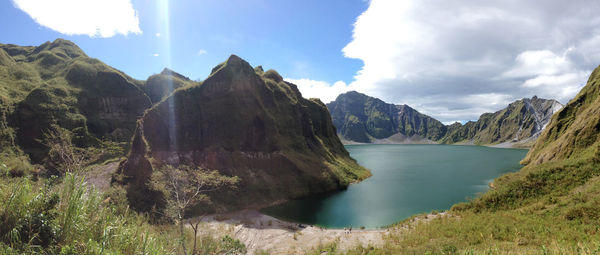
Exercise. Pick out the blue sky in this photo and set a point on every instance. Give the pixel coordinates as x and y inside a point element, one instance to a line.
<point>297,38</point>
<point>452,60</point>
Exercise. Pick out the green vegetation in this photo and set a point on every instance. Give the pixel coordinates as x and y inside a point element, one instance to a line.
<point>53,216</point>
<point>185,189</point>
<point>57,85</point>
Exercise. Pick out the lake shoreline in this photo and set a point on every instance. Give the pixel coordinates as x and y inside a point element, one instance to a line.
<point>259,231</point>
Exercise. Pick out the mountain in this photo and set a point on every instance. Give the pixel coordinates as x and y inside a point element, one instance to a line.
<point>57,85</point>
<point>243,122</point>
<point>520,123</point>
<point>365,119</point>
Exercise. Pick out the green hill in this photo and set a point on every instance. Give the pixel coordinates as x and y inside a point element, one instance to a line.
<point>57,85</point>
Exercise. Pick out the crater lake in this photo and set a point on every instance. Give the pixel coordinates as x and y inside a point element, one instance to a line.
<point>407,180</point>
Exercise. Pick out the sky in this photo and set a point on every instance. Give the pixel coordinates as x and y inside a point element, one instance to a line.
<point>452,60</point>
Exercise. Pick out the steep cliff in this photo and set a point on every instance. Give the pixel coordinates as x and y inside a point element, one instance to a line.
<point>361,118</point>
<point>247,123</point>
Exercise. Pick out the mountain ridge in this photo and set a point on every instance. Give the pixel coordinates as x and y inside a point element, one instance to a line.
<point>363,119</point>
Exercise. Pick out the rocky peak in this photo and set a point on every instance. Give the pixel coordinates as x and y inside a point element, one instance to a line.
<point>167,71</point>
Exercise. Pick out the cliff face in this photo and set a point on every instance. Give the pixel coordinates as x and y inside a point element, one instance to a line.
<point>247,123</point>
<point>57,84</point>
<point>574,131</point>
<point>365,119</point>
<point>520,123</point>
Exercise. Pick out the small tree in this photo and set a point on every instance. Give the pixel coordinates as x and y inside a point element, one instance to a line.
<point>188,187</point>
<point>62,152</point>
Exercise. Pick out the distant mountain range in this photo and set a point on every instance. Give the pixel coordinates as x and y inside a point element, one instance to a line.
<point>363,119</point>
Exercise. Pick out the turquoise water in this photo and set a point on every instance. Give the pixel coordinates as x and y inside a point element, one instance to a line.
<point>407,179</point>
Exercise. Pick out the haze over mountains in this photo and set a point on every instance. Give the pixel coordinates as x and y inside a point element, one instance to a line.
<point>364,119</point>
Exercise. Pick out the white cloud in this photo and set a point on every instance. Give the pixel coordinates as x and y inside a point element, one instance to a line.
<point>456,59</point>
<point>157,34</point>
<point>201,52</point>
<point>95,18</point>
<point>320,89</point>
<point>155,55</point>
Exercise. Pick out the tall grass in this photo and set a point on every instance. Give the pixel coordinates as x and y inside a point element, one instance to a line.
<point>70,218</point>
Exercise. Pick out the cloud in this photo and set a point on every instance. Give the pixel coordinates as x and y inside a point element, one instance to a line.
<point>455,60</point>
<point>157,34</point>
<point>201,52</point>
<point>155,55</point>
<point>95,18</point>
<point>320,89</point>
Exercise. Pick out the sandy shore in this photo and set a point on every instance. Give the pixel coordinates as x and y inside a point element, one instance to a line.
<point>262,232</point>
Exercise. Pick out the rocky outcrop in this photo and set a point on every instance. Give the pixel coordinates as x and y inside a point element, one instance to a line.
<point>246,123</point>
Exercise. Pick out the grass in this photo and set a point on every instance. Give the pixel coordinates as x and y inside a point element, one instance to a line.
<point>67,216</point>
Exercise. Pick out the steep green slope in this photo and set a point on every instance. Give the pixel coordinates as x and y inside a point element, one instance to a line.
<point>361,118</point>
<point>56,84</point>
<point>574,131</point>
<point>247,123</point>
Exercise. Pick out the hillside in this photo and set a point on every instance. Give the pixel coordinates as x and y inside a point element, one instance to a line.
<point>247,123</point>
<point>574,131</point>
<point>364,119</point>
<point>56,85</point>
